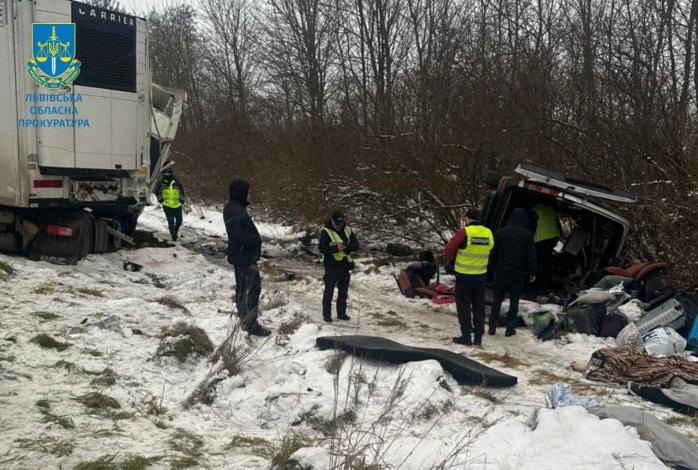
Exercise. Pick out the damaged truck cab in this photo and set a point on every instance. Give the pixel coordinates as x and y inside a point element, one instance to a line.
<point>592,234</point>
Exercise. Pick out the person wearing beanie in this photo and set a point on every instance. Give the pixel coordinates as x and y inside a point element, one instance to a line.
<point>170,194</point>
<point>470,247</point>
<point>244,251</point>
<point>337,242</point>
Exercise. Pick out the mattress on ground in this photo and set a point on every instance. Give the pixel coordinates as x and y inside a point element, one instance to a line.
<point>464,370</point>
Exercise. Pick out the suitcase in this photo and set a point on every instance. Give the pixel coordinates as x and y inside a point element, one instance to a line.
<point>670,314</point>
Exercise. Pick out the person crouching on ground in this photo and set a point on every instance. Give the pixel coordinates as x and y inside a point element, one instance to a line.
<point>337,242</point>
<point>244,251</point>
<point>170,194</point>
<point>512,259</point>
<point>471,246</point>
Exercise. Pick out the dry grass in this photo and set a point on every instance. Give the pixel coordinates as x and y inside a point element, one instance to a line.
<point>483,393</point>
<point>98,401</point>
<point>240,441</point>
<point>691,421</point>
<point>183,341</point>
<point>106,378</point>
<point>290,443</point>
<point>89,291</point>
<point>49,418</point>
<point>48,445</point>
<point>335,362</point>
<point>505,359</point>
<point>46,289</point>
<point>545,377</point>
<point>287,328</point>
<point>106,462</point>
<point>47,342</point>
<point>5,271</point>
<point>46,316</point>
<point>173,303</point>
<point>153,404</point>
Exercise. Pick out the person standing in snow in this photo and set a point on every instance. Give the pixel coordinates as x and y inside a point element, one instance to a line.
<point>337,242</point>
<point>244,251</point>
<point>470,247</point>
<point>170,194</point>
<point>512,260</point>
<point>546,237</point>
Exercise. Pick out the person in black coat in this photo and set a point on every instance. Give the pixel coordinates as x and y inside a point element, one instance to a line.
<point>337,242</point>
<point>244,250</point>
<point>512,260</point>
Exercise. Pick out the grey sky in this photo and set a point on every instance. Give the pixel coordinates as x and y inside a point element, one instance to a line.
<point>139,7</point>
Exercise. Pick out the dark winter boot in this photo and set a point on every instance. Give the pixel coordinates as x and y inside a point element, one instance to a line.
<point>510,332</point>
<point>256,329</point>
<point>492,331</point>
<point>344,317</point>
<point>477,340</point>
<point>465,340</point>
<point>327,319</point>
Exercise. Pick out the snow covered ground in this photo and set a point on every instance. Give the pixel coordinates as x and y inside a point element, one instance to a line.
<point>289,397</point>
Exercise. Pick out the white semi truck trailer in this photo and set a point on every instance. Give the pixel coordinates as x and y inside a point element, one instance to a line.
<point>78,161</point>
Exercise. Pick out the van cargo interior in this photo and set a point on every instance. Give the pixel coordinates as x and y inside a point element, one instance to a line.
<point>589,241</point>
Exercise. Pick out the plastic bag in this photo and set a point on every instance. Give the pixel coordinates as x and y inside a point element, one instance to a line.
<point>630,337</point>
<point>633,310</point>
<point>664,342</point>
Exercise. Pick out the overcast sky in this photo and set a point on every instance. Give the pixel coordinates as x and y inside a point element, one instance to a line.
<point>139,7</point>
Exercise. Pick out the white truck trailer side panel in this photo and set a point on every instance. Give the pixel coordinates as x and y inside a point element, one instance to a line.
<point>56,144</point>
<point>9,151</point>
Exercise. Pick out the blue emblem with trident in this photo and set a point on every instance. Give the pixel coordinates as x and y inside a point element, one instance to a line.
<point>53,63</point>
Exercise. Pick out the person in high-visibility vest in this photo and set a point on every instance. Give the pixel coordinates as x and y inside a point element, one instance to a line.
<point>337,243</point>
<point>545,237</point>
<point>470,246</point>
<point>170,195</point>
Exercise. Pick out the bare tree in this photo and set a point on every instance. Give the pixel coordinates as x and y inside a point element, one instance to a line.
<point>299,53</point>
<point>231,44</point>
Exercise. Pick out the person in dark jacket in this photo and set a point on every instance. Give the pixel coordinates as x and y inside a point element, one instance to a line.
<point>170,194</point>
<point>337,242</point>
<point>244,250</point>
<point>512,260</point>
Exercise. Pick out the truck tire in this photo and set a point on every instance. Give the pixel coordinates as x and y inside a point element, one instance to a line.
<point>63,250</point>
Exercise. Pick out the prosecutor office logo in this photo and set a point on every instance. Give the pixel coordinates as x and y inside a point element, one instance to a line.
<point>53,63</point>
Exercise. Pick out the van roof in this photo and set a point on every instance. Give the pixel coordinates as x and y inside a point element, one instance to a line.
<point>533,172</point>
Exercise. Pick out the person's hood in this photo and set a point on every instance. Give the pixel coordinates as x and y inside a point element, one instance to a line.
<point>238,191</point>
<point>329,225</point>
<point>519,218</point>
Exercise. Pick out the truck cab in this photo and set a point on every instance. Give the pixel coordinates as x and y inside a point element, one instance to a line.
<point>593,233</point>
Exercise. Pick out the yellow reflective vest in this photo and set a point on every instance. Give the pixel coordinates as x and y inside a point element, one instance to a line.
<point>473,259</point>
<point>337,240</point>
<point>547,227</point>
<point>171,196</point>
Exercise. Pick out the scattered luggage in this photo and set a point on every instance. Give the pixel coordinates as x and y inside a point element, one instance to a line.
<point>613,324</point>
<point>669,314</point>
<point>663,342</point>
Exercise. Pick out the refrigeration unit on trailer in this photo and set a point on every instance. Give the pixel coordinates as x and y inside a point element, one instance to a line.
<point>83,131</point>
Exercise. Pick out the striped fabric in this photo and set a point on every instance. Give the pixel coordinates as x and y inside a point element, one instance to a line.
<point>624,365</point>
